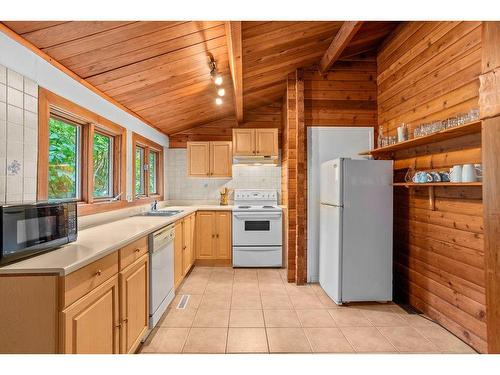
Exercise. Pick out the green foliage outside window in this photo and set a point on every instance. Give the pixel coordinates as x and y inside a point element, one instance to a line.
<point>152,172</point>
<point>139,171</point>
<point>63,159</point>
<point>102,166</point>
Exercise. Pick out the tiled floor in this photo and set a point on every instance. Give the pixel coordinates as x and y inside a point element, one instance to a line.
<point>257,311</point>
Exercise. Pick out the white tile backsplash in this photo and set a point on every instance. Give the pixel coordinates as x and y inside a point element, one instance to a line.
<point>182,187</point>
<point>18,137</point>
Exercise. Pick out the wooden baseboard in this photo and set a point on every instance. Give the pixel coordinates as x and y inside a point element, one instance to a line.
<point>213,262</point>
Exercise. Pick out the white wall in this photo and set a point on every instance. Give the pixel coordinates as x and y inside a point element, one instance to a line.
<point>32,67</point>
<point>182,187</point>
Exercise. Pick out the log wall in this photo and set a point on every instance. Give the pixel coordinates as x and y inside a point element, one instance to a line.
<point>429,71</point>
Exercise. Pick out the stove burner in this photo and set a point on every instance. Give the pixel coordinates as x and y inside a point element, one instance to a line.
<point>267,206</point>
<point>243,206</point>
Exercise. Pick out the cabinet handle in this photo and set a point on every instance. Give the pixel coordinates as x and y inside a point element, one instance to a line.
<point>137,250</point>
<point>184,247</point>
<point>125,320</point>
<point>213,235</point>
<point>98,273</point>
<point>217,235</point>
<point>118,325</point>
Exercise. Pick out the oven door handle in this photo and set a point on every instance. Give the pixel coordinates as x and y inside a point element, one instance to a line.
<point>257,216</point>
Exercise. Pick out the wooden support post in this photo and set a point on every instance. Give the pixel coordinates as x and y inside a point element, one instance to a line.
<point>301,172</point>
<point>489,101</point>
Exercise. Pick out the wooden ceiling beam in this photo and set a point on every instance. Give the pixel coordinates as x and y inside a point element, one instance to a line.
<point>339,43</point>
<point>234,48</point>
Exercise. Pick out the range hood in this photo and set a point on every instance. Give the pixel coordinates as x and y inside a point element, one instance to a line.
<point>255,160</point>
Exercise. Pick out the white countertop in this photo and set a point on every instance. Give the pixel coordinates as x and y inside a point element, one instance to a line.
<point>96,242</point>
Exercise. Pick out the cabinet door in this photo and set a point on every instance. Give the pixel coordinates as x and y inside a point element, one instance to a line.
<point>266,142</point>
<point>244,142</point>
<point>223,235</point>
<point>205,235</point>
<point>134,304</point>
<point>178,244</point>
<point>221,159</point>
<point>90,325</point>
<point>198,159</point>
<point>186,246</point>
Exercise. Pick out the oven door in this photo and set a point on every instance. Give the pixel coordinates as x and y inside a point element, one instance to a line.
<point>30,229</point>
<point>257,229</point>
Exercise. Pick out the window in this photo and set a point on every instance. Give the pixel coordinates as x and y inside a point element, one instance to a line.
<point>84,155</point>
<point>64,159</point>
<point>103,165</point>
<point>147,168</point>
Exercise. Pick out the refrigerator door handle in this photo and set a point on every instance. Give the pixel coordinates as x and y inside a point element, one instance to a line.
<point>331,205</point>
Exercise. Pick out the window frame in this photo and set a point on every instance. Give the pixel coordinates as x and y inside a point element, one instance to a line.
<point>148,146</point>
<point>90,123</point>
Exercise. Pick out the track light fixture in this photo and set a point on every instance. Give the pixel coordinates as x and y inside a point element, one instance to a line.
<point>217,78</point>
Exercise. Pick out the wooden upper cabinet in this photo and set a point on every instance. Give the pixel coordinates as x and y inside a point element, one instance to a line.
<point>252,142</point>
<point>266,142</point>
<point>198,156</point>
<point>221,159</point>
<point>134,304</point>
<point>243,142</point>
<point>209,159</point>
<point>91,325</point>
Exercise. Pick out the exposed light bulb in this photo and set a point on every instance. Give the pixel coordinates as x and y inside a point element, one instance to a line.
<point>218,80</point>
<point>218,101</point>
<point>221,92</point>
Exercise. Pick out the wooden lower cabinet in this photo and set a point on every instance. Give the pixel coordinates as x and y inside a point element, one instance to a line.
<point>134,304</point>
<point>91,324</point>
<point>213,235</point>
<point>183,248</point>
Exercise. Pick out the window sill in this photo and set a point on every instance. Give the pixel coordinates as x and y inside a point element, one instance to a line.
<point>98,207</point>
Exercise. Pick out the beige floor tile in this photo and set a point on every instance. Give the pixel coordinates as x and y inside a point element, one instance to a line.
<point>246,318</point>
<point>444,340</point>
<point>178,318</point>
<point>276,301</point>
<point>245,275</point>
<point>306,301</point>
<point>166,340</point>
<point>211,318</point>
<point>407,339</point>
<point>367,340</point>
<point>349,317</point>
<point>249,287</point>
<point>328,340</point>
<point>416,320</point>
<point>206,340</point>
<point>315,318</point>
<point>287,340</point>
<point>246,301</point>
<point>381,318</point>
<point>281,318</point>
<point>247,340</point>
<point>196,287</point>
<point>293,289</point>
<point>193,301</point>
<point>219,288</point>
<point>216,301</point>
<point>325,300</point>
<point>270,288</point>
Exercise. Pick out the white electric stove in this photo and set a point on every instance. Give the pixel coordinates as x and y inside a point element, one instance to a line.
<point>257,228</point>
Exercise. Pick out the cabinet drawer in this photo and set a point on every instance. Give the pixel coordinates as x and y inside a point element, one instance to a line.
<point>80,282</point>
<point>130,253</point>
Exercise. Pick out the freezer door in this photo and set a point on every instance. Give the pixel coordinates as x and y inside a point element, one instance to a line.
<point>331,183</point>
<point>330,251</point>
<point>367,231</point>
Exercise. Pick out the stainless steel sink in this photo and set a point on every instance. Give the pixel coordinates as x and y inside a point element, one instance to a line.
<point>161,213</point>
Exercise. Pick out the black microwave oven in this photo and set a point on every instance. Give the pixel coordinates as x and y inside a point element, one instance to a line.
<point>30,229</point>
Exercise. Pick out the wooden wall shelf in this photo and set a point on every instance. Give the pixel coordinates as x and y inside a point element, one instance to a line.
<point>428,184</point>
<point>458,131</point>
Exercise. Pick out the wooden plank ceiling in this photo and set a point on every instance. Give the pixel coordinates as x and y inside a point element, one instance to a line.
<point>159,70</point>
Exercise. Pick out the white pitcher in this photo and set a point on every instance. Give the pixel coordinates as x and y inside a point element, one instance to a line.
<point>469,173</point>
<point>456,173</point>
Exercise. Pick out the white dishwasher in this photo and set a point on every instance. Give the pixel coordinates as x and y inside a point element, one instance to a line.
<point>161,277</point>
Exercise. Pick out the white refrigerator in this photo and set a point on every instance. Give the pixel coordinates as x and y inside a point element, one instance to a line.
<point>355,257</point>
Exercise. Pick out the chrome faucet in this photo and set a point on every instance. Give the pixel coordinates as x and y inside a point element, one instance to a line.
<point>154,205</point>
<point>115,198</point>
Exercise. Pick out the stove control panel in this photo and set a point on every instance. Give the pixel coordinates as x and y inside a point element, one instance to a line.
<point>255,195</point>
